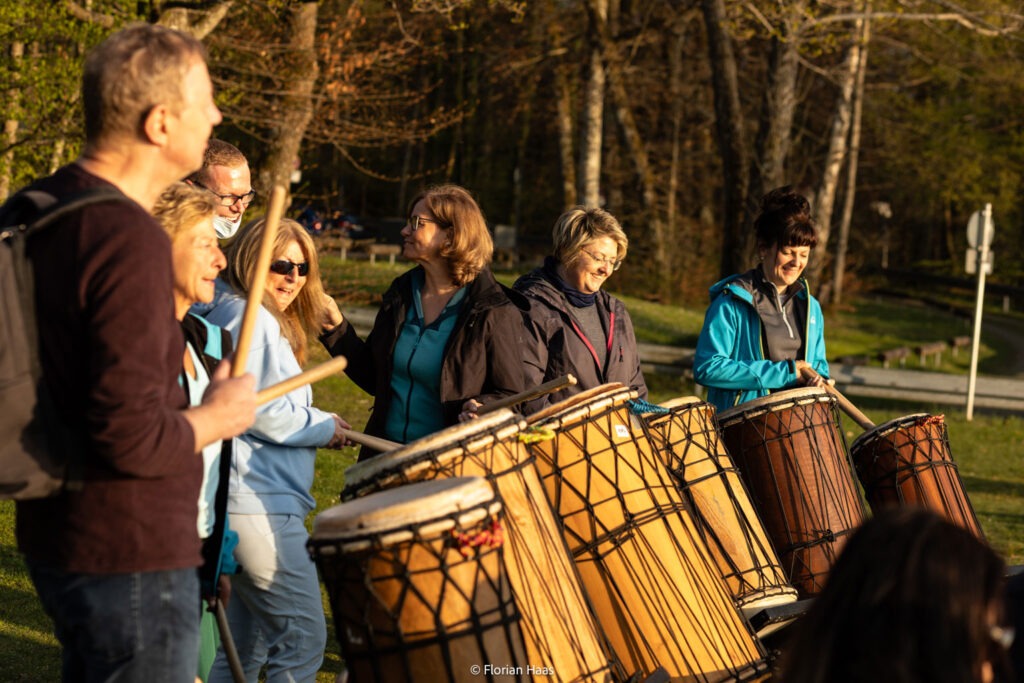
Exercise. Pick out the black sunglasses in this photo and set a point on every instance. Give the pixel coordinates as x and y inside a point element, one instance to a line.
<point>285,267</point>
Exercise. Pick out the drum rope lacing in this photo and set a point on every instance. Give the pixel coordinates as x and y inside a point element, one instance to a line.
<point>639,406</point>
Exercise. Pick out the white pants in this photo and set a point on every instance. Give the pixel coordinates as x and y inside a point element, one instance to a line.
<point>275,612</point>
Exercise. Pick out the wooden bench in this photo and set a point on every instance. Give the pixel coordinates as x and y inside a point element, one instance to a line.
<point>389,250</point>
<point>900,354</point>
<point>957,343</point>
<point>327,243</point>
<point>932,349</point>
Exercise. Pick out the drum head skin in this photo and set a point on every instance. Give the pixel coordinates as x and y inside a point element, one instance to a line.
<point>410,505</point>
<point>483,428</point>
<point>577,399</point>
<point>891,426</point>
<point>774,400</point>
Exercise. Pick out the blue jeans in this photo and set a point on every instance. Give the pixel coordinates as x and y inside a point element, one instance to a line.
<point>140,627</point>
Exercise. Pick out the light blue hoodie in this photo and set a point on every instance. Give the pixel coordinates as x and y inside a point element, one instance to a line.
<point>272,468</point>
<point>730,357</point>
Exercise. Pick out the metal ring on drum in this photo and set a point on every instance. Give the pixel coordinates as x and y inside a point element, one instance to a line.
<point>690,444</point>
<point>791,454</point>
<point>907,461</point>
<point>417,583</point>
<point>653,584</point>
<point>562,634</point>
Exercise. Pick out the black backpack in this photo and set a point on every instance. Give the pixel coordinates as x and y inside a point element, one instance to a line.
<point>38,456</point>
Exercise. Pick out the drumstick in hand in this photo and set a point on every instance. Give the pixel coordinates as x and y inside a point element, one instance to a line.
<point>331,367</point>
<point>546,388</point>
<point>844,403</point>
<point>259,281</point>
<point>382,445</point>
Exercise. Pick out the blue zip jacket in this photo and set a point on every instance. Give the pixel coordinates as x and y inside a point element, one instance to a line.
<point>730,358</point>
<point>272,470</point>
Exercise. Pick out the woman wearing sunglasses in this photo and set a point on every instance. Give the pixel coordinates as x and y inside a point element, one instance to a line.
<point>276,614</point>
<point>447,338</point>
<point>576,327</point>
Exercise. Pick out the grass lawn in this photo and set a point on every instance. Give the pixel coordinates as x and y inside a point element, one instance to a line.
<point>988,449</point>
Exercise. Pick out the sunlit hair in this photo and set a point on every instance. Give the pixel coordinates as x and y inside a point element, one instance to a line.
<point>468,247</point>
<point>302,317</point>
<point>785,220</point>
<point>218,153</point>
<point>911,598</point>
<point>129,73</point>
<point>579,226</point>
<point>181,206</point>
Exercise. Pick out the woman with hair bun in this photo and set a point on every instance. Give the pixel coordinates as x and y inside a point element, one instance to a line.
<point>763,329</point>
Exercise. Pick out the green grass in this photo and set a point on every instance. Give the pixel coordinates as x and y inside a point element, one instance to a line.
<point>988,449</point>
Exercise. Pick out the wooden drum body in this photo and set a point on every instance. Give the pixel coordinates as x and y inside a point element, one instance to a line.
<point>563,639</point>
<point>907,461</point>
<point>792,457</point>
<point>655,590</point>
<point>688,440</point>
<point>417,583</point>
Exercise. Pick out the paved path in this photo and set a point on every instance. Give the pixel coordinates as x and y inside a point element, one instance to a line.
<point>998,393</point>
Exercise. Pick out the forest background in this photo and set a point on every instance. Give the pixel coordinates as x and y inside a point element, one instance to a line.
<point>899,118</point>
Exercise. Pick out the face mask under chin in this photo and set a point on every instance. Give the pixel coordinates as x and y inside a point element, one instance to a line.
<point>226,227</point>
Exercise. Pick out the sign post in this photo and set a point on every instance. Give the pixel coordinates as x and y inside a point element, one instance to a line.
<point>979,236</point>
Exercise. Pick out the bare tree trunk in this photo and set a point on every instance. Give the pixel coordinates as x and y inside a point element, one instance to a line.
<point>675,84</point>
<point>634,141</point>
<point>775,130</point>
<point>838,137</point>
<point>563,98</point>
<point>11,125</point>
<point>592,117</point>
<point>198,22</point>
<point>296,103</point>
<point>729,132</point>
<point>851,174</point>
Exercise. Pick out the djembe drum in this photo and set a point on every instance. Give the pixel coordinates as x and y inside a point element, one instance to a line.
<point>654,588</point>
<point>688,440</point>
<point>561,634</point>
<point>417,583</point>
<point>792,457</point>
<point>907,461</point>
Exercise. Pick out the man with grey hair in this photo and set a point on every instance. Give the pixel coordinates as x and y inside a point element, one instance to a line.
<point>114,559</point>
<point>225,173</point>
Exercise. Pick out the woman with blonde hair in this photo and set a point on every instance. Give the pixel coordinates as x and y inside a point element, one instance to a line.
<point>447,337</point>
<point>575,326</point>
<point>276,614</point>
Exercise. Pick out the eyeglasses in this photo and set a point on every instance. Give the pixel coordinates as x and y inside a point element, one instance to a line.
<point>230,199</point>
<point>603,260</point>
<point>415,221</point>
<point>1002,636</point>
<point>283,267</point>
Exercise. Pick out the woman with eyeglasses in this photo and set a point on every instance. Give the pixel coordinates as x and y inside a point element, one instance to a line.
<point>763,330</point>
<point>912,598</point>
<point>577,328</point>
<point>276,613</point>
<point>447,337</point>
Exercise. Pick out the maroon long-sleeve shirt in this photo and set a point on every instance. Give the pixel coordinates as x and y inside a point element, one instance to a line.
<point>111,351</point>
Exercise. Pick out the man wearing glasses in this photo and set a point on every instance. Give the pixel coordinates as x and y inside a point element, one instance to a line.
<point>225,173</point>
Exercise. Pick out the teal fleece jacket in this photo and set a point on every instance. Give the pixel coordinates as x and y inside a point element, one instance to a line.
<point>730,358</point>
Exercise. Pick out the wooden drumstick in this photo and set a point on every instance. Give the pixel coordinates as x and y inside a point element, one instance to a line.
<point>259,281</point>
<point>382,445</point>
<point>228,642</point>
<point>844,403</point>
<point>546,388</point>
<point>331,367</point>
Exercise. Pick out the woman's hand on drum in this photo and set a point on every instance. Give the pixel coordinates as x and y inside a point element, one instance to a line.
<point>469,409</point>
<point>330,314</point>
<point>808,376</point>
<point>339,440</point>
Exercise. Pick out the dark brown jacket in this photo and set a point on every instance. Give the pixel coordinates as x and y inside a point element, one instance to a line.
<point>559,347</point>
<point>482,359</point>
<point>111,352</point>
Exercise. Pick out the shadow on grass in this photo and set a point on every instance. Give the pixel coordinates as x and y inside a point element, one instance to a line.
<point>995,487</point>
